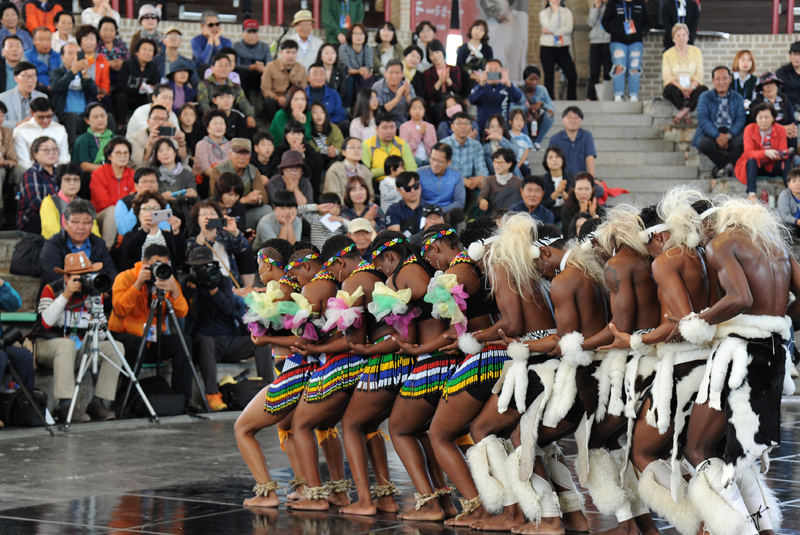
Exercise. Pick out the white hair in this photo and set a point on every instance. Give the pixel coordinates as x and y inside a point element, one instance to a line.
<point>622,226</point>
<point>685,225</point>
<point>762,225</point>
<point>514,251</point>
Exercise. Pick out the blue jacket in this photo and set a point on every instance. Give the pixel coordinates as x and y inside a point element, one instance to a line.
<point>9,300</point>
<point>447,192</point>
<point>333,102</point>
<point>487,154</point>
<point>707,106</point>
<point>42,70</point>
<point>540,214</point>
<point>202,52</point>
<point>59,88</point>
<point>492,99</point>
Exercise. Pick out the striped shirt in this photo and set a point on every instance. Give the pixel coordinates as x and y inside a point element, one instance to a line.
<point>37,184</point>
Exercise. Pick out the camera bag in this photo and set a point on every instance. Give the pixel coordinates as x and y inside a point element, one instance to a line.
<point>25,258</point>
<point>17,411</point>
<point>237,395</point>
<point>164,401</point>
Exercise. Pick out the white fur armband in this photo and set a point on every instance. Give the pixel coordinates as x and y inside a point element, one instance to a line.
<point>572,350</point>
<point>518,352</point>
<point>696,330</point>
<point>468,345</point>
<point>639,346</point>
<point>476,251</point>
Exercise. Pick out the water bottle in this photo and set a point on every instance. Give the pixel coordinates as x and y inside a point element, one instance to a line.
<point>534,129</point>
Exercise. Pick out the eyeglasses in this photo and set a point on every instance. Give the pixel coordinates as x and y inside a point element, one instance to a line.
<point>149,208</point>
<point>462,123</point>
<point>252,30</point>
<point>27,76</point>
<point>158,119</point>
<point>242,152</point>
<point>407,189</point>
<point>212,24</point>
<point>44,117</point>
<point>120,153</point>
<point>53,150</point>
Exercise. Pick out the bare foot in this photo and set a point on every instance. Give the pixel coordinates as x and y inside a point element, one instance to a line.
<point>270,500</point>
<point>447,505</point>
<point>624,528</point>
<point>339,499</point>
<point>360,508</point>
<point>548,526</point>
<point>465,521</point>
<point>386,504</point>
<point>430,511</point>
<point>576,521</point>
<point>297,494</point>
<point>310,505</point>
<point>510,518</point>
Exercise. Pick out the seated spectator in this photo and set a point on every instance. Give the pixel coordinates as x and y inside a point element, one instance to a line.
<point>294,139</point>
<point>362,233</point>
<point>406,214</point>
<point>12,54</point>
<point>452,105</point>
<point>334,77</point>
<point>419,133</point>
<point>170,55</point>
<point>720,124</point>
<point>99,67</point>
<point>42,55</point>
<point>521,141</point>
<point>472,55</point>
<point>425,33</point>
<point>179,79</point>
<point>412,56</point>
<point>163,95</point>
<point>210,41</point>
<point>789,203</point>
<point>439,80</point>
<point>577,143</point>
<point>582,198</point>
<point>41,124</point>
<point>132,297</point>
<point>9,164</point>
<point>386,48</point>
<point>318,91</point>
<point>41,14</point>
<point>493,96</point>
<point>111,182</point>
<point>388,186</point>
<point>682,74</point>
<point>501,189</point>
<point>144,140</point>
<point>37,183</point>
<point>340,172</point>
<point>72,90</point>
<point>366,107</point>
<point>174,177</point>
<point>100,9</point>
<point>679,12</point>
<point>64,318</point>
<point>394,93</point>
<point>19,357</point>
<point>532,192</point>
<point>149,16</point>
<point>255,185</point>
<point>293,178</point>
<point>765,150</point>
<point>75,236</point>
<point>191,126</point>
<point>112,47</point>
<point>146,233</point>
<point>557,26</point>
<point>145,179</point>
<point>296,108</point>
<point>214,147</point>
<point>431,215</point>
<point>768,89</point>
<point>137,79</point>
<point>384,144</point>
<point>235,121</point>
<point>744,81</point>
<point>88,149</point>
<point>308,45</point>
<point>280,75</point>
<point>467,153</point>
<point>9,18</point>
<point>221,67</point>
<point>282,223</point>
<point>263,148</point>
<point>252,55</point>
<point>18,100</point>
<point>228,192</point>
<point>233,76</point>
<point>498,137</point>
<point>539,109</point>
<point>443,185</point>
<point>54,206</point>
<point>557,180</point>
<point>325,218</point>
<point>358,204</point>
<point>327,137</point>
<point>355,59</point>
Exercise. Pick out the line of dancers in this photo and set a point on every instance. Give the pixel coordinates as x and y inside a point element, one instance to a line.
<point>657,338</point>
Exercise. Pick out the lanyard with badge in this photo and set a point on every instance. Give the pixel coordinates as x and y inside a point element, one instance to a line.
<point>344,18</point>
<point>73,335</point>
<point>627,24</point>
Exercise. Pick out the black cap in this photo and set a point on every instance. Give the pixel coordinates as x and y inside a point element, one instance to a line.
<point>795,47</point>
<point>200,256</point>
<point>432,209</point>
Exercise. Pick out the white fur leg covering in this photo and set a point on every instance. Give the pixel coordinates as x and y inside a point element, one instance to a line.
<point>629,482</point>
<point>569,500</point>
<point>604,487</point>
<point>654,488</point>
<point>720,507</point>
<point>490,488</point>
<point>788,382</point>
<point>528,498</point>
<point>610,383</point>
<point>760,501</point>
<point>514,378</point>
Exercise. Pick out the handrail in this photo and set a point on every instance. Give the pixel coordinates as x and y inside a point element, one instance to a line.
<point>776,16</point>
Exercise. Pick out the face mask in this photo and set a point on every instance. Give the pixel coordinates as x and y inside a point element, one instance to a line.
<point>452,110</point>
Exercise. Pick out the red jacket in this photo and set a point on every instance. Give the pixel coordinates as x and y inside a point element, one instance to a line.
<point>754,150</point>
<point>106,189</point>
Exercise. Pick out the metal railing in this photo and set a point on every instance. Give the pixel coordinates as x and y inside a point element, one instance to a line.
<point>776,16</point>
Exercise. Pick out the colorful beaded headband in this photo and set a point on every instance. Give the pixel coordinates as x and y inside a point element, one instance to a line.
<point>309,256</point>
<point>391,243</point>
<point>440,234</point>
<point>267,260</point>
<point>343,252</point>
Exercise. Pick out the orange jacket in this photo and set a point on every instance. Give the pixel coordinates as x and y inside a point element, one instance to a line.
<point>131,307</point>
<point>35,16</point>
<point>102,71</point>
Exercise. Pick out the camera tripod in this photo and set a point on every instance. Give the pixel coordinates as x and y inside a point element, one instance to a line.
<point>90,351</point>
<point>156,315</point>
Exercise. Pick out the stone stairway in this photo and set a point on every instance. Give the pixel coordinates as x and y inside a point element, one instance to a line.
<point>27,287</point>
<point>632,152</point>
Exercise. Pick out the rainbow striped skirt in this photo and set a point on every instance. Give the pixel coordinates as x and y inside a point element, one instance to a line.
<point>336,373</point>
<point>285,391</point>
<point>430,374</point>
<point>480,368</point>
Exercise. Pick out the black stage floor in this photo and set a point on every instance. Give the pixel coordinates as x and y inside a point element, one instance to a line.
<point>186,476</point>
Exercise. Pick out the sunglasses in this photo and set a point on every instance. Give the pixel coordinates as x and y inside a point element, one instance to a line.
<point>150,17</point>
<point>408,189</point>
<point>212,24</point>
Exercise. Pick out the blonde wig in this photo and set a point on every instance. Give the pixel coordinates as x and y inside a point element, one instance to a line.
<point>761,224</point>
<point>588,261</point>
<point>684,223</point>
<point>622,226</point>
<point>513,250</point>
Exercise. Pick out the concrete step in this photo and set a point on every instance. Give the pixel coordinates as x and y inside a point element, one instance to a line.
<point>27,287</point>
<point>663,173</point>
<point>634,145</point>
<point>624,158</point>
<point>599,107</point>
<point>602,120</point>
<point>656,185</point>
<point>8,240</point>
<point>617,132</point>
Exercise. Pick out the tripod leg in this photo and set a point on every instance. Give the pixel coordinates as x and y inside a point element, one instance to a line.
<point>28,395</point>
<point>197,381</point>
<point>139,357</point>
<point>86,355</point>
<point>128,372</point>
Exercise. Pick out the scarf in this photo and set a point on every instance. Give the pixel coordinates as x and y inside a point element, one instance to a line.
<point>155,36</point>
<point>101,140</point>
<point>503,179</point>
<point>216,148</point>
<point>165,175</point>
<point>409,74</point>
<point>476,52</point>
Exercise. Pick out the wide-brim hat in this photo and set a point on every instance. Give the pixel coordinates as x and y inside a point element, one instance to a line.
<point>180,64</point>
<point>294,158</point>
<point>302,16</point>
<point>78,264</point>
<point>768,78</point>
<point>360,224</point>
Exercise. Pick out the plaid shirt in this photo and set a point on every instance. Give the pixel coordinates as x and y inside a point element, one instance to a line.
<point>467,158</point>
<point>36,185</point>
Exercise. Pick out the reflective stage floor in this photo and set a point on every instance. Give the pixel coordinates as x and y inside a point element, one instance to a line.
<point>186,476</point>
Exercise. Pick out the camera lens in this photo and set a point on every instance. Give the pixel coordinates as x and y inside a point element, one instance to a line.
<point>161,270</point>
<point>95,283</point>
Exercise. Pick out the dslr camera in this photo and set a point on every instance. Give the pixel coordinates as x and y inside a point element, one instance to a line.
<point>95,283</point>
<point>160,270</point>
<point>207,275</point>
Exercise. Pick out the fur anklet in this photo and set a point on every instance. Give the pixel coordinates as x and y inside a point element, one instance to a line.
<point>316,493</point>
<point>296,483</point>
<point>382,491</point>
<point>263,489</point>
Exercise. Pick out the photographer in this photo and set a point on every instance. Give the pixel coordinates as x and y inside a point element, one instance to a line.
<point>217,337</point>
<point>133,292</point>
<point>147,232</point>
<point>63,319</point>
<point>221,234</point>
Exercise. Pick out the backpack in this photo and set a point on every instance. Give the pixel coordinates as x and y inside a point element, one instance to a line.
<point>237,395</point>
<point>17,411</point>
<point>25,258</point>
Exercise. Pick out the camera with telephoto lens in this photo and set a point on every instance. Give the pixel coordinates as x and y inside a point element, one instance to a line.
<point>95,283</point>
<point>205,275</point>
<point>10,337</point>
<point>160,270</point>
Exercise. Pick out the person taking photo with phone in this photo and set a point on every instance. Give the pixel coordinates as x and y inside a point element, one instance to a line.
<point>158,125</point>
<point>151,210</point>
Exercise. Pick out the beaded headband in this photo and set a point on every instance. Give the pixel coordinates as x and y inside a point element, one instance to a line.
<point>391,243</point>
<point>309,256</point>
<point>343,252</point>
<point>267,260</point>
<point>440,234</point>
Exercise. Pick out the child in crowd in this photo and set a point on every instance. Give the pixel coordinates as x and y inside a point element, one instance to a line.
<point>263,147</point>
<point>497,137</point>
<point>419,134</point>
<point>324,218</point>
<point>236,122</point>
<point>539,108</point>
<point>179,73</point>
<point>388,186</point>
<point>522,143</point>
<point>191,126</point>
<point>789,203</point>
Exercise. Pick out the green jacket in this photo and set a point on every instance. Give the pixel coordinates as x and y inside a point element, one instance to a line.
<point>332,12</point>
<point>240,101</point>
<point>279,123</point>
<point>86,149</point>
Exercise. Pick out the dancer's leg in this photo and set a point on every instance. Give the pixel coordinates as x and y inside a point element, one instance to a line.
<point>437,476</point>
<point>376,449</point>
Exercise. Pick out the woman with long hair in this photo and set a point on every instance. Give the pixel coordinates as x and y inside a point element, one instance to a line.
<point>326,136</point>
<point>357,203</point>
<point>582,197</point>
<point>366,107</point>
<point>386,47</point>
<point>297,109</point>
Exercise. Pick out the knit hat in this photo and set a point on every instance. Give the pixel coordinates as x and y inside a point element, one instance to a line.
<point>149,9</point>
